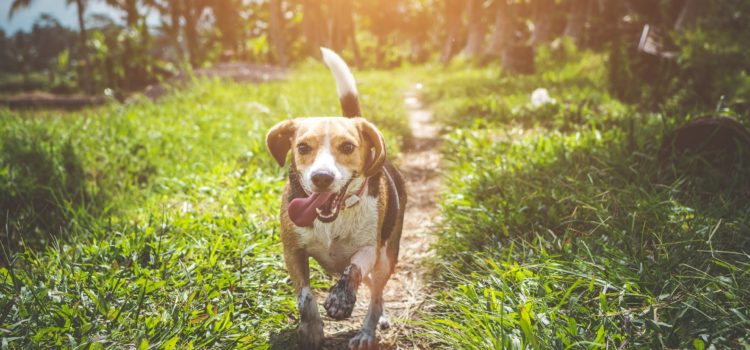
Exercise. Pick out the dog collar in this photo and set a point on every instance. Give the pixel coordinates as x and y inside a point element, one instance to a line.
<point>355,198</point>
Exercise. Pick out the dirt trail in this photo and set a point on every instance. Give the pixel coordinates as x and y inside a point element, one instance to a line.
<point>405,293</point>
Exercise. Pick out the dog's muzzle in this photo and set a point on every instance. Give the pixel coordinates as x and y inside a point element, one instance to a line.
<point>325,206</point>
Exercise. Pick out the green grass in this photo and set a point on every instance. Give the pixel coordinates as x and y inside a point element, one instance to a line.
<point>561,230</point>
<point>486,97</point>
<point>155,224</point>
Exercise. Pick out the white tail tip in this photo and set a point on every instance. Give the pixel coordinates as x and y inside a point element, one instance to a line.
<point>345,83</point>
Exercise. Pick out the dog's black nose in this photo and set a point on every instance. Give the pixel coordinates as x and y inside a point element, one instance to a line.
<point>322,179</point>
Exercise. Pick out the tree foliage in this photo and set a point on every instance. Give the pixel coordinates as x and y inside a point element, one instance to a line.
<point>710,40</point>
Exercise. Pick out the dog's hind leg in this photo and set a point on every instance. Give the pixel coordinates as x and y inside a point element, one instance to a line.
<point>366,338</point>
<point>343,295</point>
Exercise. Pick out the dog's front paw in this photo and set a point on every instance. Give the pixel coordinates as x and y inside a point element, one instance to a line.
<point>310,335</point>
<point>384,322</point>
<point>340,303</point>
<point>343,295</point>
<point>364,340</point>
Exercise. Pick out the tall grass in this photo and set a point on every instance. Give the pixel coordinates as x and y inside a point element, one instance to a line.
<point>180,248</point>
<point>570,237</point>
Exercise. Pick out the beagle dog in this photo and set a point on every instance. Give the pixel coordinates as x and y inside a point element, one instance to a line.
<point>343,206</point>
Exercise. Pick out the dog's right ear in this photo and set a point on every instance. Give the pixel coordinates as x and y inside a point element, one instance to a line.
<point>279,140</point>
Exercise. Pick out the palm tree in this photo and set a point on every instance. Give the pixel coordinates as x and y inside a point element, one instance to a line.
<point>81,7</point>
<point>276,31</point>
<point>135,60</point>
<point>183,18</point>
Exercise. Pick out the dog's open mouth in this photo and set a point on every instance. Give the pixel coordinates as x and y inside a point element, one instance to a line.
<point>329,210</point>
<point>324,206</point>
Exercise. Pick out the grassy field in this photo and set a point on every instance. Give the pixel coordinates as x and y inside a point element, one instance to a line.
<point>154,225</point>
<point>561,230</point>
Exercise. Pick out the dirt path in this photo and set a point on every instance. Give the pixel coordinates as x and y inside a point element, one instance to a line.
<point>405,293</point>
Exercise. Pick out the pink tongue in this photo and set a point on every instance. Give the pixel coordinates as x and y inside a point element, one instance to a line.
<point>302,210</point>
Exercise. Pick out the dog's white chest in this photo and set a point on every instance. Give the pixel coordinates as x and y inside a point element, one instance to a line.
<point>333,244</point>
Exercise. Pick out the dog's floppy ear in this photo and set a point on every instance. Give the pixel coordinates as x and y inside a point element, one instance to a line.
<point>279,140</point>
<point>373,136</point>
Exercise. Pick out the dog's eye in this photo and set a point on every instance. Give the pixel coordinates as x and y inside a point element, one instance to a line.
<point>346,147</point>
<point>303,148</point>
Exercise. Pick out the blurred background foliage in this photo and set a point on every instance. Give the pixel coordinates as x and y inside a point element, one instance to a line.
<point>702,47</point>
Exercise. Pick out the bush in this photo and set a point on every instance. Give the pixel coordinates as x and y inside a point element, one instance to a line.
<point>711,67</point>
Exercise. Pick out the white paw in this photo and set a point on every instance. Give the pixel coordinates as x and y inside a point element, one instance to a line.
<point>363,341</point>
<point>384,322</point>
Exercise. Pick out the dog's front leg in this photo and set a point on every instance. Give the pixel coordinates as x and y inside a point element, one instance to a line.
<point>310,332</point>
<point>366,338</point>
<point>343,294</point>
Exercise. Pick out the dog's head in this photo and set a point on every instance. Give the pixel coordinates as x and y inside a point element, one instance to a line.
<point>330,155</point>
<point>328,152</point>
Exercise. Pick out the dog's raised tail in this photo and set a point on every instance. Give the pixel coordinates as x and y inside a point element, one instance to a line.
<point>345,84</point>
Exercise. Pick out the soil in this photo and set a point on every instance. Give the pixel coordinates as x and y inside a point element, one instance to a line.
<point>43,100</point>
<point>406,292</point>
<point>239,72</point>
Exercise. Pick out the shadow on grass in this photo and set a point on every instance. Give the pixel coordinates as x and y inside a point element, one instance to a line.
<point>42,191</point>
<point>591,205</point>
<point>287,339</point>
<point>284,339</point>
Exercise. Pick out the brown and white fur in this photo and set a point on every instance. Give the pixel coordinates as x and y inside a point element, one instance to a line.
<point>362,242</point>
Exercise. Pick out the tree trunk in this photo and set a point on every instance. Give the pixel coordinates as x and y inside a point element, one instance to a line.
<point>313,25</point>
<point>145,39</point>
<point>82,36</point>
<point>190,31</point>
<point>690,14</point>
<point>576,25</point>
<point>353,38</point>
<point>228,23</point>
<point>453,11</point>
<point>476,29</point>
<point>175,12</point>
<point>129,63</point>
<point>335,33</point>
<point>341,27</point>
<point>131,11</point>
<point>276,32</point>
<point>542,21</point>
<point>504,29</point>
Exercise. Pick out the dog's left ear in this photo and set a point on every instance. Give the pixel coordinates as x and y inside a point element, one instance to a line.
<point>373,136</point>
<point>279,140</point>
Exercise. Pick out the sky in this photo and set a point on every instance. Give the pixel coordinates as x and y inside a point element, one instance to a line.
<point>24,18</point>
